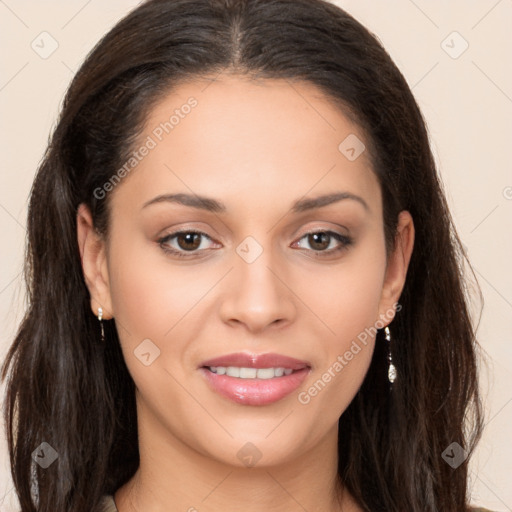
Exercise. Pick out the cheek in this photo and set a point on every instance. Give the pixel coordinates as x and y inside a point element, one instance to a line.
<point>345,297</point>
<point>149,296</point>
<point>347,301</point>
<point>152,301</point>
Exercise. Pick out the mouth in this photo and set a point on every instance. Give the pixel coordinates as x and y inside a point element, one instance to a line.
<point>251,379</point>
<point>250,373</point>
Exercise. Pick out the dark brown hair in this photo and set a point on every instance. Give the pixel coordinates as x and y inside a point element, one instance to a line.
<point>77,395</point>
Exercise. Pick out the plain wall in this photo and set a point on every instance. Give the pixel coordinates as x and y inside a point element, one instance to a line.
<point>467,103</point>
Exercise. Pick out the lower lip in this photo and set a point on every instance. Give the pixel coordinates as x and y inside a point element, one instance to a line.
<point>255,391</point>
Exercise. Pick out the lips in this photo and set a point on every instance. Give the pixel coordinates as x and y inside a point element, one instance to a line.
<point>254,391</point>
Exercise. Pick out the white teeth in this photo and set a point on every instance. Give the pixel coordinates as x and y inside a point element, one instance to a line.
<point>266,373</point>
<point>250,373</point>
<point>233,371</point>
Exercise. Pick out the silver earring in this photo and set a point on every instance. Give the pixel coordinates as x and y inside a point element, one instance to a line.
<point>391,368</point>
<point>100,318</point>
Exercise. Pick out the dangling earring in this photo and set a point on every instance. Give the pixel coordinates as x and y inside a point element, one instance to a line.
<point>100,318</point>
<point>391,368</point>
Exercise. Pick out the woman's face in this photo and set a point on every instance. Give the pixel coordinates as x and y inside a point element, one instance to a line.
<point>255,281</point>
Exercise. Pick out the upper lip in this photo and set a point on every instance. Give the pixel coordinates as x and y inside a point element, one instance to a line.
<point>245,360</point>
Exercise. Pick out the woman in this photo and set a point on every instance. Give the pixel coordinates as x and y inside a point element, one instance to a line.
<point>245,283</point>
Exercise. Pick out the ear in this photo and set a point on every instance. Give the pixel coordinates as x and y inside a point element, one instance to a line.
<point>94,262</point>
<point>397,266</point>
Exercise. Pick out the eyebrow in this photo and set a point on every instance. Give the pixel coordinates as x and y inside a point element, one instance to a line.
<point>212,205</point>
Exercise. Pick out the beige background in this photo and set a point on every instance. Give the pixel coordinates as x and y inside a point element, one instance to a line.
<point>467,102</point>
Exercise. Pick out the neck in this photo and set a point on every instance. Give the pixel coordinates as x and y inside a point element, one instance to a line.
<point>173,477</point>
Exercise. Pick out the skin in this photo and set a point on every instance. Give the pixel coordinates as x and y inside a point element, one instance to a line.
<point>257,147</point>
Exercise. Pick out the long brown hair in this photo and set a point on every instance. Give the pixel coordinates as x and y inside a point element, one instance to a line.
<point>391,441</point>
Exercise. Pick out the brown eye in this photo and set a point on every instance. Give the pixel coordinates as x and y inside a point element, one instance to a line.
<point>184,242</point>
<point>188,241</point>
<point>320,241</point>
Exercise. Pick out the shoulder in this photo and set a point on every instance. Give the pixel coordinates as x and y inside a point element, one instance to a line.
<point>107,504</point>
<point>479,509</point>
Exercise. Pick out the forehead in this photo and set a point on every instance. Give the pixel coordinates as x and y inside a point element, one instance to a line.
<point>245,137</point>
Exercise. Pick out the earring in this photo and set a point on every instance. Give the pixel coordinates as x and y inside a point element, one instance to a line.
<point>391,368</point>
<point>100,318</point>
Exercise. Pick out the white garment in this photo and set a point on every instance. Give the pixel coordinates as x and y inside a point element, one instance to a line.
<point>108,504</point>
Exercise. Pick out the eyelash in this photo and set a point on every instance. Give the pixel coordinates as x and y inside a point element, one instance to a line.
<point>343,239</point>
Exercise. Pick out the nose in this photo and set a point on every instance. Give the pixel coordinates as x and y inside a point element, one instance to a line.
<point>258,293</point>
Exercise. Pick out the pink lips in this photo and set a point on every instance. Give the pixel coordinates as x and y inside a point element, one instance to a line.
<point>255,391</point>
